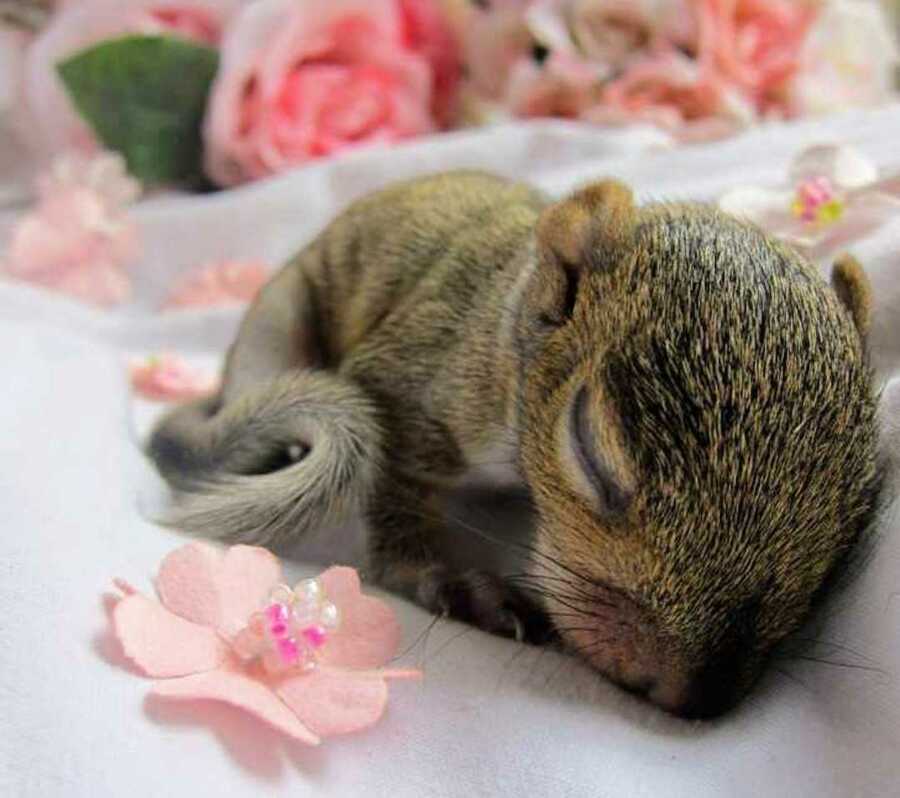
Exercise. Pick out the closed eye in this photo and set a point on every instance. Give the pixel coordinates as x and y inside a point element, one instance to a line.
<point>613,497</point>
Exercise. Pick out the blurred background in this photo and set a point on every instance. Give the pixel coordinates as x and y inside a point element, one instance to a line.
<point>105,102</point>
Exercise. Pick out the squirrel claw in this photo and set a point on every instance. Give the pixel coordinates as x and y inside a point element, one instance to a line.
<point>482,599</point>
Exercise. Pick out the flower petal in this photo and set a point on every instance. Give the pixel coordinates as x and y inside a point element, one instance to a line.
<point>333,701</point>
<point>215,588</point>
<point>844,166</point>
<point>769,208</point>
<point>169,378</point>
<point>162,644</point>
<point>865,213</point>
<point>369,634</point>
<point>240,691</point>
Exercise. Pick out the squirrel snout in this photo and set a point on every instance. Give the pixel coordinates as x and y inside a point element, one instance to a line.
<point>703,693</point>
<point>627,646</point>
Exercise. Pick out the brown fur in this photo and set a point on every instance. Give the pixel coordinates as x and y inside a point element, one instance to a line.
<point>686,400</point>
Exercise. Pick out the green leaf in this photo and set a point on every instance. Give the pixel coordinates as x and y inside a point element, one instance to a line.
<point>145,96</point>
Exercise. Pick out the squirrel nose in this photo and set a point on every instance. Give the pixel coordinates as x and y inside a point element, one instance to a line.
<point>705,692</point>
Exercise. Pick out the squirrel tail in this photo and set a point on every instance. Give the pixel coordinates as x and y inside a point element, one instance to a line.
<point>286,457</point>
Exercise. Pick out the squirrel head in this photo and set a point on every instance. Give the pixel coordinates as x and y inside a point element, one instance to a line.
<point>699,432</point>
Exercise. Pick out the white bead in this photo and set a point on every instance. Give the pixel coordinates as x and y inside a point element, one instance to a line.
<point>305,613</point>
<point>329,615</point>
<point>281,594</point>
<point>308,591</point>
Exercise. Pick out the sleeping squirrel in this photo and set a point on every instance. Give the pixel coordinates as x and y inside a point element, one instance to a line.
<point>686,402</point>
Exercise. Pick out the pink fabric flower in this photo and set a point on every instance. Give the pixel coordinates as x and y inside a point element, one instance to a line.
<point>168,378</point>
<point>671,91</point>
<point>563,86</point>
<point>495,42</point>
<point>79,238</point>
<point>698,68</point>
<point>304,80</point>
<point>605,61</point>
<point>223,283</point>
<point>56,125</point>
<point>187,641</point>
<point>755,45</point>
<point>833,195</point>
<point>611,33</point>
<point>426,31</point>
<point>744,54</point>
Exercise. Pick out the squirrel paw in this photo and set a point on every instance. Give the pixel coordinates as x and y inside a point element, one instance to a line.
<point>485,600</point>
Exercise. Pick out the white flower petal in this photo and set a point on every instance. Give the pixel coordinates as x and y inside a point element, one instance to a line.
<point>847,59</point>
<point>760,205</point>
<point>864,215</point>
<point>846,167</point>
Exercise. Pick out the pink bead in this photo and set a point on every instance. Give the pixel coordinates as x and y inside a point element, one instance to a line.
<point>277,613</point>
<point>279,629</point>
<point>315,635</point>
<point>812,194</point>
<point>288,650</point>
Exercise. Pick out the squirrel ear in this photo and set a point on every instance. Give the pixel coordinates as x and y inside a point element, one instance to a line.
<point>850,283</point>
<point>591,227</point>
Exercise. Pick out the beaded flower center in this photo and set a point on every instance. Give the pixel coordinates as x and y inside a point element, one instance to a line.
<point>817,202</point>
<point>289,631</point>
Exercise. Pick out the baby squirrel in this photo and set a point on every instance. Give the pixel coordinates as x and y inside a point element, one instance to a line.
<point>686,401</point>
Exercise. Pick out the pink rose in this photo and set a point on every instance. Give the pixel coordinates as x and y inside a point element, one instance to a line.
<point>754,44</point>
<point>671,90</point>
<point>563,86</point>
<point>699,68</point>
<point>554,57</point>
<point>497,41</point>
<point>303,80</point>
<point>56,125</point>
<point>426,31</point>
<point>610,33</point>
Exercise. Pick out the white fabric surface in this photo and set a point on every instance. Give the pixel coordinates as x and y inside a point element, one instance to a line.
<point>490,717</point>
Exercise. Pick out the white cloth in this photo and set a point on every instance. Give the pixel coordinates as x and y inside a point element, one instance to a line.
<point>490,718</point>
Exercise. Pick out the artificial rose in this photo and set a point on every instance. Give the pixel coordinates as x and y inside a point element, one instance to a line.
<point>610,33</point>
<point>848,59</point>
<point>677,94</point>
<point>606,61</point>
<point>563,86</point>
<point>56,125</point>
<point>506,75</point>
<point>426,31</point>
<point>754,45</point>
<point>304,80</point>
<point>700,68</point>
<point>496,42</point>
